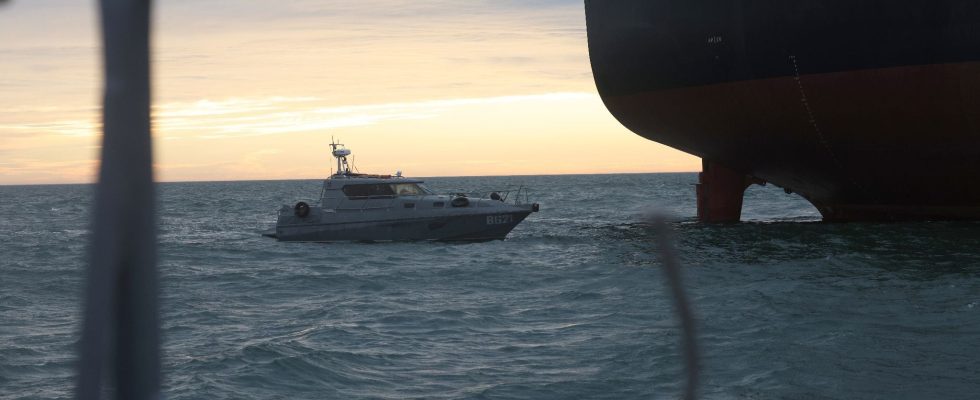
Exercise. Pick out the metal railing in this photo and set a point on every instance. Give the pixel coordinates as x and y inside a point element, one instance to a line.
<point>477,199</point>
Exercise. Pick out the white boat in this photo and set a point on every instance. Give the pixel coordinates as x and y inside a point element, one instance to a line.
<point>366,207</point>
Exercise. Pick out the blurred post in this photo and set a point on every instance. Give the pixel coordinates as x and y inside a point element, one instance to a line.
<point>121,316</point>
<point>672,271</point>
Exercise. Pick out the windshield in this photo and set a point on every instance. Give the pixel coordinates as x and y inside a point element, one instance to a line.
<point>409,189</point>
<point>425,189</point>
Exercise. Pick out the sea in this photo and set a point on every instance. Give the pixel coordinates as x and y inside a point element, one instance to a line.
<point>574,303</point>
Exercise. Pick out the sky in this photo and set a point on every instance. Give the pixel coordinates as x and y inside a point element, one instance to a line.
<point>251,89</point>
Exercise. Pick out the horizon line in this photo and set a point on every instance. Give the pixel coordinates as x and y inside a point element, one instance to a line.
<point>311,179</point>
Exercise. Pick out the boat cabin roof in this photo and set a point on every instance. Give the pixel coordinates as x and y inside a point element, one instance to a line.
<point>339,181</point>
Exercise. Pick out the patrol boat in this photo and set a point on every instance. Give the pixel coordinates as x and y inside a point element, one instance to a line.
<point>366,207</point>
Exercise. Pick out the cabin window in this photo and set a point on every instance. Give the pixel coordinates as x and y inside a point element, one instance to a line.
<point>438,204</point>
<point>424,189</point>
<point>369,191</point>
<point>408,189</point>
<point>409,205</point>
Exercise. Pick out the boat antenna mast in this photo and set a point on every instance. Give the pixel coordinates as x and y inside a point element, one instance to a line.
<point>343,168</point>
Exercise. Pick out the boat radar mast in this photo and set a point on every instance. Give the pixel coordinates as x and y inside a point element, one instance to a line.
<point>341,153</point>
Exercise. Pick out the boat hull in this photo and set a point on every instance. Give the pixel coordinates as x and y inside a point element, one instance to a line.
<point>460,227</point>
<point>871,111</point>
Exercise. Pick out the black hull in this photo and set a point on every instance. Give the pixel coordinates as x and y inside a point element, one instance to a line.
<point>870,110</point>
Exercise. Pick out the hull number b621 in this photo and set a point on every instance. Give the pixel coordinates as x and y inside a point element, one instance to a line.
<point>499,219</point>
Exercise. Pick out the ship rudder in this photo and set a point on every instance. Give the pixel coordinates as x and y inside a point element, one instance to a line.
<point>719,191</point>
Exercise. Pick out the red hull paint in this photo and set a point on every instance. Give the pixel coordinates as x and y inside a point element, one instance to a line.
<point>720,191</point>
<point>894,143</point>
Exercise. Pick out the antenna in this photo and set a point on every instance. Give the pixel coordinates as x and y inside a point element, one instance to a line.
<point>343,168</point>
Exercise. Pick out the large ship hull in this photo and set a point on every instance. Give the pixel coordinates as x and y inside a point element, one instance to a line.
<point>870,110</point>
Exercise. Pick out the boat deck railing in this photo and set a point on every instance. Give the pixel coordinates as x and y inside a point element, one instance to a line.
<point>477,199</point>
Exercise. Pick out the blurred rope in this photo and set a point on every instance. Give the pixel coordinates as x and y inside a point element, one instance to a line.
<point>663,237</point>
<point>121,313</point>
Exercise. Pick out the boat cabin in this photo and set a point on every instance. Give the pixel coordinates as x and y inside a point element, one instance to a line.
<point>368,193</point>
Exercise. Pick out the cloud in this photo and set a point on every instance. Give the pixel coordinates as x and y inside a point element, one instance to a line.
<point>37,170</point>
<point>240,118</point>
<point>371,51</point>
<point>74,128</point>
<point>270,72</point>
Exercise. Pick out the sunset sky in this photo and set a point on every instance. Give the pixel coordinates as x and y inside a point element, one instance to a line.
<point>251,89</point>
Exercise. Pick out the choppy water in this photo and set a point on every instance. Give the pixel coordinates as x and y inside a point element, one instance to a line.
<point>571,305</point>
